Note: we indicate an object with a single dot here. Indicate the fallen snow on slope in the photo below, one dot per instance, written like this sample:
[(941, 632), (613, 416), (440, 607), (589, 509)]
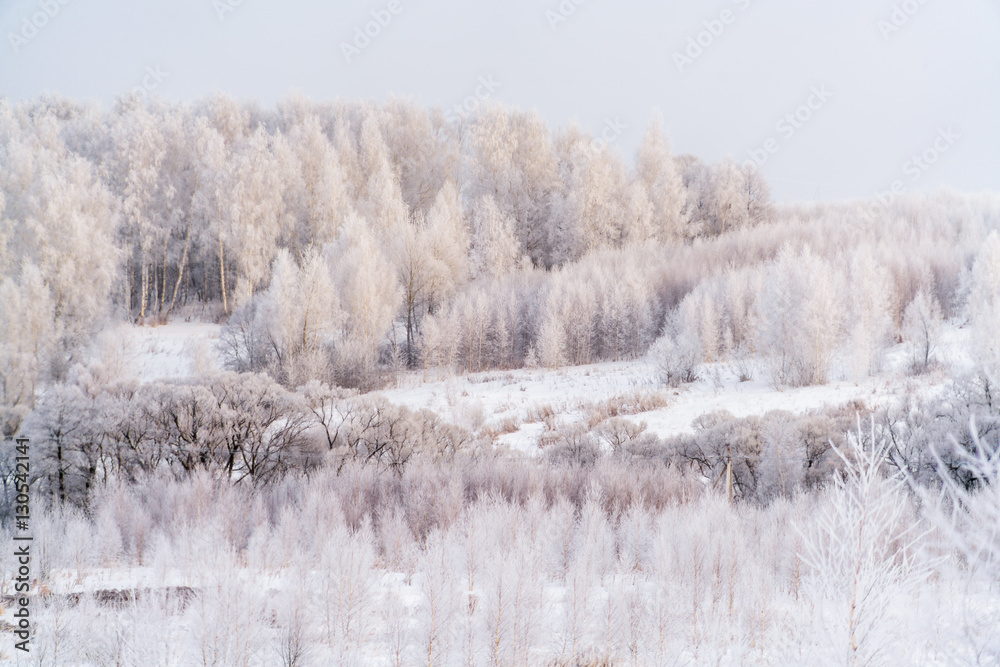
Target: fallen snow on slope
[(496, 398), (515, 403), (492, 399), (150, 353)]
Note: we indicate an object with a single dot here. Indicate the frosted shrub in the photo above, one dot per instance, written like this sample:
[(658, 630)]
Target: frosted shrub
[(967, 514), (676, 358), (862, 549), (922, 329)]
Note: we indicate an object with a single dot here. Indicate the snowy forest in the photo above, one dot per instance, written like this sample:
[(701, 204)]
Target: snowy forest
[(351, 383)]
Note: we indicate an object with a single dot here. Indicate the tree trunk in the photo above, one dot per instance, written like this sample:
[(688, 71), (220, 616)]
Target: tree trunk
[(410, 359), (144, 297), (62, 474), (180, 270), (222, 275), (163, 278)]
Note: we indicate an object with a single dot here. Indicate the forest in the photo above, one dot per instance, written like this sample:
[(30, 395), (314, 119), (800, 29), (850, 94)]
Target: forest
[(297, 499)]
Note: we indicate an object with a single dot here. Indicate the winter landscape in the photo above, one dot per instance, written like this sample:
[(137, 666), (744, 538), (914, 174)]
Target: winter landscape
[(369, 379)]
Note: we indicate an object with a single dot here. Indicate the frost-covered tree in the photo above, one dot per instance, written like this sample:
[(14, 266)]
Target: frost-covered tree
[(676, 354), (63, 425), (255, 216), (755, 196), (697, 179), (28, 343), (727, 204), (799, 318), (298, 318), (658, 172), (431, 257), (494, 249), (922, 329), (57, 243), (984, 304), (60, 217), (551, 343), (626, 313), (422, 150), (871, 323), (139, 149), (966, 514), (370, 295), (344, 590), (207, 209), (319, 202), (381, 198), (862, 551), (591, 209), (448, 236), (509, 157)]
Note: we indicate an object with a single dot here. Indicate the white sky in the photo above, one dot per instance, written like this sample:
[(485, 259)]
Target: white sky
[(608, 60)]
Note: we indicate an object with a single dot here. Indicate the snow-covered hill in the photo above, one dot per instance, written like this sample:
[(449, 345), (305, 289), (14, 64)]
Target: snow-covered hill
[(513, 404)]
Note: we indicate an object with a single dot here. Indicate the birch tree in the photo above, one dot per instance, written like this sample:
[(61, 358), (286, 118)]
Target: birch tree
[(139, 149), (984, 305), (657, 170), (509, 157), (369, 294)]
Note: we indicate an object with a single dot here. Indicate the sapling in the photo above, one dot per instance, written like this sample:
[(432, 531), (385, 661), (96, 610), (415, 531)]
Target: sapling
[(862, 550)]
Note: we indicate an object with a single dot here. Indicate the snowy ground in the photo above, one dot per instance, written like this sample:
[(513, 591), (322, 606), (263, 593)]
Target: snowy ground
[(514, 404), (150, 353), (501, 399)]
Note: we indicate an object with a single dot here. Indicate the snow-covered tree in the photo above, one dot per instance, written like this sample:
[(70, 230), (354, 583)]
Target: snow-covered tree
[(139, 149), (658, 172), (320, 202), (862, 551), (57, 243), (755, 196), (381, 201), (254, 212), (727, 203), (422, 150), (922, 329), (800, 316), (298, 318), (370, 295), (494, 248), (871, 323), (591, 208), (509, 157), (431, 256), (984, 304), (28, 343)]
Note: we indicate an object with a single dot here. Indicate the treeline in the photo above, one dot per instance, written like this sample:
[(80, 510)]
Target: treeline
[(792, 299), (149, 207), (343, 241)]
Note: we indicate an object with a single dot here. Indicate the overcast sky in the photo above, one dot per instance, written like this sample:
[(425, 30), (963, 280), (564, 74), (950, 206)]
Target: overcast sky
[(887, 79)]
